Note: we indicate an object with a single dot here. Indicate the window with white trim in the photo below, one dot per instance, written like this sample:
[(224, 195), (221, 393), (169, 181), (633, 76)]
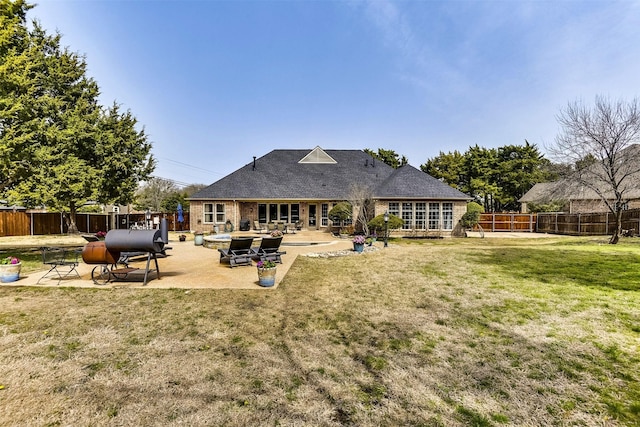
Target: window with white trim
[(394, 209), (407, 216), (324, 214), (434, 216), (214, 212), (447, 216), (421, 216)]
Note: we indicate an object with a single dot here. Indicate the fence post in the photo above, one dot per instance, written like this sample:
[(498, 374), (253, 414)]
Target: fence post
[(579, 228)]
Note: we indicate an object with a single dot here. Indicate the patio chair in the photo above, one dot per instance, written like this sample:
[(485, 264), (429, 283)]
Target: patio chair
[(269, 250), (239, 252), (61, 262), (260, 228)]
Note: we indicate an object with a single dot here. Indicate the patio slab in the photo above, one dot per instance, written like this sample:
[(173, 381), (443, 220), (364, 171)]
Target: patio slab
[(188, 266)]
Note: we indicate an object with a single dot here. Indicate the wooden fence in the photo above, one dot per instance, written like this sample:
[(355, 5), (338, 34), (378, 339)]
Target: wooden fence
[(508, 222), (588, 224), (39, 223)]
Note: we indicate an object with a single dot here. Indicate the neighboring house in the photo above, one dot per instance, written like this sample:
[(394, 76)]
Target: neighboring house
[(301, 186), (577, 198)]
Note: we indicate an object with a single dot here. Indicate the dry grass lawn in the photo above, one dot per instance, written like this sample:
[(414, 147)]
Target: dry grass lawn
[(457, 332)]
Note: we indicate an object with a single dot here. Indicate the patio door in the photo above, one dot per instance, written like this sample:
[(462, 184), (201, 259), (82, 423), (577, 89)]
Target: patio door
[(312, 216)]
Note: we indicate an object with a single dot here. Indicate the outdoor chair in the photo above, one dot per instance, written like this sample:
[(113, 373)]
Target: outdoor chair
[(61, 262), (239, 252), (260, 228), (269, 250)]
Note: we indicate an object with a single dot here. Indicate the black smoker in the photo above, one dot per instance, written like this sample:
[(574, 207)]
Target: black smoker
[(132, 243)]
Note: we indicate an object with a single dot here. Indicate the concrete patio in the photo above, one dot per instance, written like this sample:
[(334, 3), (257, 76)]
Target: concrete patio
[(191, 267)]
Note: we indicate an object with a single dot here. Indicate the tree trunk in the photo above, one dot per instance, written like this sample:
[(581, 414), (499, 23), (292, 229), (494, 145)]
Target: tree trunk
[(72, 228), (617, 232)]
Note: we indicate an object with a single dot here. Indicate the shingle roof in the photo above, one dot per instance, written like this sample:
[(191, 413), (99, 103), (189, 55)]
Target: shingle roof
[(408, 182), (278, 175)]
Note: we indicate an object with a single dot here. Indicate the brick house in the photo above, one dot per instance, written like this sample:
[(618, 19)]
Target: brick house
[(301, 186)]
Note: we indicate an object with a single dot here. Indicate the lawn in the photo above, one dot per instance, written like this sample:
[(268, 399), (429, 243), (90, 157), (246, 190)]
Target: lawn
[(454, 332)]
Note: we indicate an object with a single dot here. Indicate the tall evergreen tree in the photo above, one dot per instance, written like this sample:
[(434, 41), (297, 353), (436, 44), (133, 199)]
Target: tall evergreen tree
[(59, 147), (389, 157), (497, 178)]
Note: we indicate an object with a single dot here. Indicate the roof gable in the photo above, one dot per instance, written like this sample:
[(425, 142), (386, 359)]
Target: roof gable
[(317, 155)]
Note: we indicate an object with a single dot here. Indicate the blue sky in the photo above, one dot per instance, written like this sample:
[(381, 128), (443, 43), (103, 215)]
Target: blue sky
[(215, 83)]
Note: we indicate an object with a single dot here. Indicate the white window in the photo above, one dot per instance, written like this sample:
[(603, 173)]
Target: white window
[(214, 212), (407, 216), (421, 216), (434, 216), (447, 216), (394, 209), (324, 214)]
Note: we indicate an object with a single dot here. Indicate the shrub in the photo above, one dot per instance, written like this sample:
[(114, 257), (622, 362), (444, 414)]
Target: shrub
[(377, 223)]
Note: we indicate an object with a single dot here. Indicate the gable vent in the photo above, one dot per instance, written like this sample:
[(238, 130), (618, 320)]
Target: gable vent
[(317, 155)]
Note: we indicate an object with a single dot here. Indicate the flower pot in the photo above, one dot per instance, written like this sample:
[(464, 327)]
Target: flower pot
[(358, 247), (10, 272), (182, 238), (198, 239), (267, 276)]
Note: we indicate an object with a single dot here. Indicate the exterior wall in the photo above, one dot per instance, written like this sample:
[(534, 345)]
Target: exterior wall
[(196, 217), (237, 211), (459, 209)]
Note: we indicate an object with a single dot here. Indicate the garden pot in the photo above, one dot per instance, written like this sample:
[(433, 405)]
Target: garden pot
[(358, 247), (198, 239), (10, 272), (267, 276), (182, 238)]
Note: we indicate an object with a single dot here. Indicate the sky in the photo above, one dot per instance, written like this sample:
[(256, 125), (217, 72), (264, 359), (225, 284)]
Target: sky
[(214, 83)]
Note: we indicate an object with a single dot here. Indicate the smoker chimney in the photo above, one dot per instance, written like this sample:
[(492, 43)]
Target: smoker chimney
[(254, 162)]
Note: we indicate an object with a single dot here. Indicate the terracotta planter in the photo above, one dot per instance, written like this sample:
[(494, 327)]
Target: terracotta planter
[(267, 276), (10, 272)]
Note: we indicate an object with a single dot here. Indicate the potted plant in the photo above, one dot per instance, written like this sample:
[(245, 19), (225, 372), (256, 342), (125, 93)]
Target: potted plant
[(266, 273), (182, 237), (10, 269), (276, 233), (358, 243), (101, 235)]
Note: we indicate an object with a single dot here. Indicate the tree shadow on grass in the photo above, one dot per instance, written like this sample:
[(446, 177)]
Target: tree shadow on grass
[(617, 271)]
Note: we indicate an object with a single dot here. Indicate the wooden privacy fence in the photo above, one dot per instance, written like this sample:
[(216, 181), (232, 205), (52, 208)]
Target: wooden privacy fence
[(508, 222), (588, 224), (40, 223)]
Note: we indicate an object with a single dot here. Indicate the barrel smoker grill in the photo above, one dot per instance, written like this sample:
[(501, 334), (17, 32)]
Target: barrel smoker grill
[(117, 248)]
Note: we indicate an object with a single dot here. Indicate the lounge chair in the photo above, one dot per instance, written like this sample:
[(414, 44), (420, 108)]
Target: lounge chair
[(269, 250), (239, 252)]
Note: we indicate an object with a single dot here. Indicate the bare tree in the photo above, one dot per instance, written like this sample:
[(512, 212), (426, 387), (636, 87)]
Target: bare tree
[(360, 197), (599, 143), (153, 193)]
